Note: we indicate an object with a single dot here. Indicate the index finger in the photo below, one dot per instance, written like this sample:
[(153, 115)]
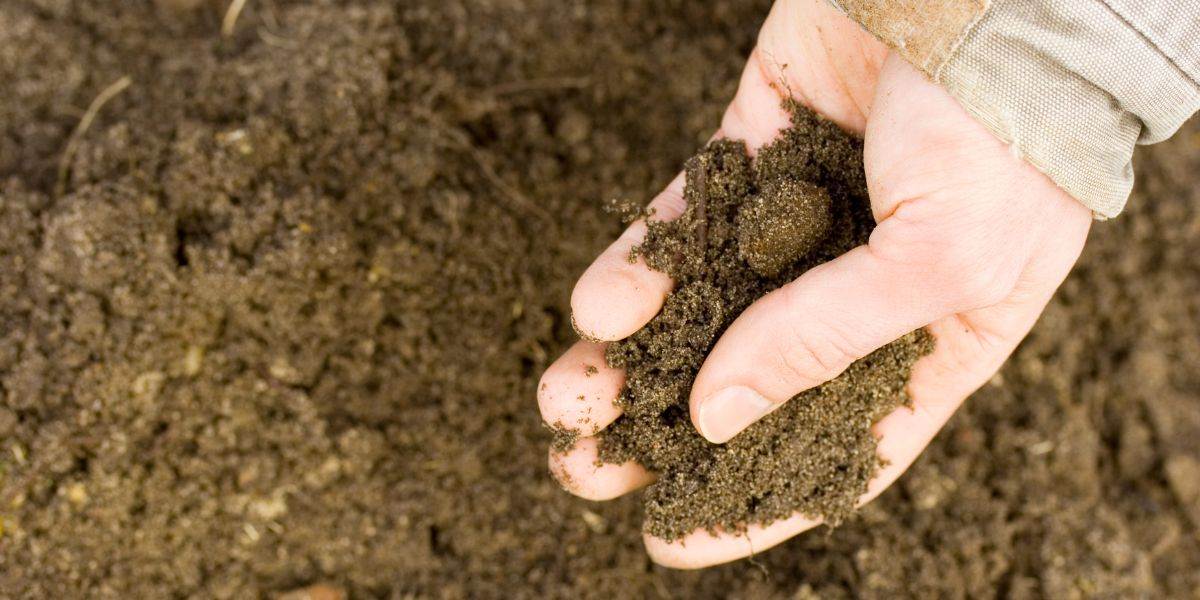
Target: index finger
[(615, 296)]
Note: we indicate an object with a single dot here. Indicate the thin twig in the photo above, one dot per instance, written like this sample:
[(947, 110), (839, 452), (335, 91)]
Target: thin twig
[(461, 141), (231, 17), (544, 83), (266, 31), (514, 195), (93, 109), (273, 39)]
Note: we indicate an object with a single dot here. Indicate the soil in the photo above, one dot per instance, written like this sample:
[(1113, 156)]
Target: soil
[(280, 331), (749, 227)]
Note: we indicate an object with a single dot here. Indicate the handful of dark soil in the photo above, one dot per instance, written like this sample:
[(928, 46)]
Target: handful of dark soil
[(751, 226)]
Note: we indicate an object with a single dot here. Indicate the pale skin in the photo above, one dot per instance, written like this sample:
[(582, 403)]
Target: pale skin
[(971, 241)]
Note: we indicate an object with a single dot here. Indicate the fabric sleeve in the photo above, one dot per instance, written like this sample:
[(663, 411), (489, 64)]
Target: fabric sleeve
[(1072, 85)]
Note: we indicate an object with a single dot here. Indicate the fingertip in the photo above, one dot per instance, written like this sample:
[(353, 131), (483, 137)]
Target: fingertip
[(615, 297), (726, 413), (740, 382), (700, 549), (806, 333), (673, 555), (579, 390), (580, 472), (748, 354)]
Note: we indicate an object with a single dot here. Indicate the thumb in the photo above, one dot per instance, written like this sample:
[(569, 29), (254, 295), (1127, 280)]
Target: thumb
[(808, 332), (953, 236)]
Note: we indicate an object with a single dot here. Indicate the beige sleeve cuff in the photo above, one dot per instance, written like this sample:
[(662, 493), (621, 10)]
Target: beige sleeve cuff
[(1073, 85)]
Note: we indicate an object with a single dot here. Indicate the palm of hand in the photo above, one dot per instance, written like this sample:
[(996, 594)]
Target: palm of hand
[(971, 241)]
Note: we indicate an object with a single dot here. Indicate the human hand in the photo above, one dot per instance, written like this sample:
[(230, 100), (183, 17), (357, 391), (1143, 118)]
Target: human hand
[(971, 241)]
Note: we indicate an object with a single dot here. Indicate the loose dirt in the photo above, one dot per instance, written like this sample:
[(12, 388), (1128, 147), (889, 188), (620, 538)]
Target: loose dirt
[(280, 331), (749, 227)]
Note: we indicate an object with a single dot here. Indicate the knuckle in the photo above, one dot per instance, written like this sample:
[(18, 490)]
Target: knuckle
[(810, 361), (813, 353)]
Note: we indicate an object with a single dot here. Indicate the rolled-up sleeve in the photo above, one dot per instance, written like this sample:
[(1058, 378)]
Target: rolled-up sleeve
[(1072, 85)]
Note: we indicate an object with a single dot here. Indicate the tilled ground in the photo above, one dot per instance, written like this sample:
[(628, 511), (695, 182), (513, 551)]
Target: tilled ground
[(278, 317)]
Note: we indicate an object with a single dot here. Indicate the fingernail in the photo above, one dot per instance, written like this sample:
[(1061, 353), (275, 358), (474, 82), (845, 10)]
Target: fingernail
[(727, 412)]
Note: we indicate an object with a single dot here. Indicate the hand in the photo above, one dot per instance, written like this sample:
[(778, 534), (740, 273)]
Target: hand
[(971, 241)]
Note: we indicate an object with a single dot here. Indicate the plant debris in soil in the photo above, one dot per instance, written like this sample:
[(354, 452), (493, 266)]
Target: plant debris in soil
[(749, 227)]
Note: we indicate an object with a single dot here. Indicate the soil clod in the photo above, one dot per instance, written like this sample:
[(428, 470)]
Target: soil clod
[(785, 221)]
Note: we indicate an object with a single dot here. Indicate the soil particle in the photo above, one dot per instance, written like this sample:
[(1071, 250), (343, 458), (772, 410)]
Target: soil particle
[(564, 437)]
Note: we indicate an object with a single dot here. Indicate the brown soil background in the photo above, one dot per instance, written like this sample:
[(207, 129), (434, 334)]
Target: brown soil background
[(286, 323)]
